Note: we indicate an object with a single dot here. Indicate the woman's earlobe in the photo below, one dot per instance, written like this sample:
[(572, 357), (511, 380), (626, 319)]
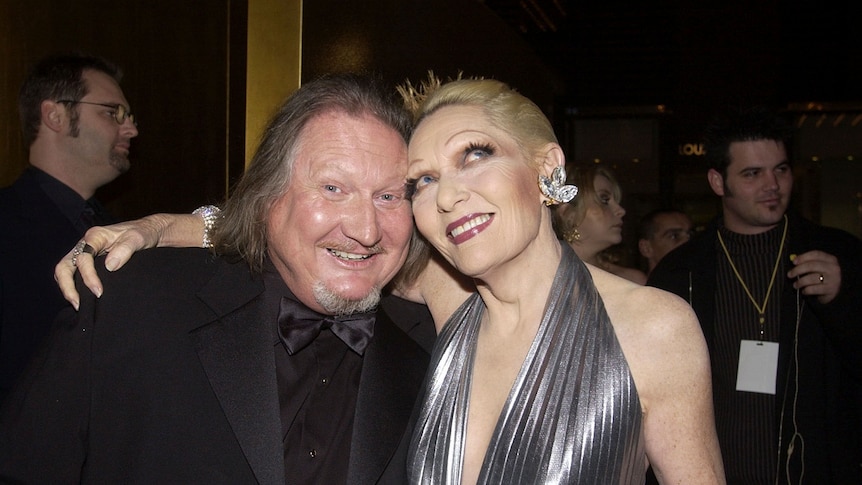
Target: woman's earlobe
[(555, 188)]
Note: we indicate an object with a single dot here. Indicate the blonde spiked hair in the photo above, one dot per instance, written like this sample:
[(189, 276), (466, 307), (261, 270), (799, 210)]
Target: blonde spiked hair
[(505, 108), (415, 96)]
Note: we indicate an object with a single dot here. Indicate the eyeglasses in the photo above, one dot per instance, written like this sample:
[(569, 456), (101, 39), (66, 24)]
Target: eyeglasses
[(120, 111)]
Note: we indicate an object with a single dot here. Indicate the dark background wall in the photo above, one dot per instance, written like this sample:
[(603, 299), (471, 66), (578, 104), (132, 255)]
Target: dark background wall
[(404, 39), (174, 56)]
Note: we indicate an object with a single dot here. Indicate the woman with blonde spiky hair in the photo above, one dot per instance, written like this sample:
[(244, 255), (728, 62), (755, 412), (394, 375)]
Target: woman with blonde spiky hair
[(552, 372)]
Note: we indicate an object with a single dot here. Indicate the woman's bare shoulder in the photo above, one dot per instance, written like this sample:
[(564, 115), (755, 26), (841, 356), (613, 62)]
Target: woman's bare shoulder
[(656, 329), (632, 306), (632, 274)]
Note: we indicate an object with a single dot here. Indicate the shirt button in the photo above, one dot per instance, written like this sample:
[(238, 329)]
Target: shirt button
[(324, 381), (312, 453)]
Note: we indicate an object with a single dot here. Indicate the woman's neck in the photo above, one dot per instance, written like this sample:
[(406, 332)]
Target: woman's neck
[(587, 254), (515, 293)]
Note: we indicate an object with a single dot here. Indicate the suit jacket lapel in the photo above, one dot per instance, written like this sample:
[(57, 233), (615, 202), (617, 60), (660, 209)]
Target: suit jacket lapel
[(393, 370), (413, 319), (237, 354)]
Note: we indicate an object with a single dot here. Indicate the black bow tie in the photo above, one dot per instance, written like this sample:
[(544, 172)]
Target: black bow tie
[(298, 326)]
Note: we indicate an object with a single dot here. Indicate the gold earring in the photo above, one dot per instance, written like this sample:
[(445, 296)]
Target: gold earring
[(572, 235)]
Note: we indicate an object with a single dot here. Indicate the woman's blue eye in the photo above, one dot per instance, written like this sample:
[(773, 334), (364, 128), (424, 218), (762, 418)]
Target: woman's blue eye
[(417, 184), (425, 180), (420, 182), (476, 151)]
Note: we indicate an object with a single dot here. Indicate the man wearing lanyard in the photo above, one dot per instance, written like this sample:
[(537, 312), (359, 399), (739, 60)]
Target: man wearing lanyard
[(778, 298)]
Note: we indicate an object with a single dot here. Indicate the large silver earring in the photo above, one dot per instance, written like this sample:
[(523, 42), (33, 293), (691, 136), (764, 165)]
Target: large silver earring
[(555, 189)]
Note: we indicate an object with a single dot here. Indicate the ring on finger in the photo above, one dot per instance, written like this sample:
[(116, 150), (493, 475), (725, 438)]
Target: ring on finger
[(82, 247)]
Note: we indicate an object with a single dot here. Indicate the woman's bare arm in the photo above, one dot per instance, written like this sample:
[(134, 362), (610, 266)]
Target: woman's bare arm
[(666, 351), (441, 287), (122, 240)]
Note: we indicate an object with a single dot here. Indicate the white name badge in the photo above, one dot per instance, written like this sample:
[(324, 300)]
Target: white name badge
[(758, 366)]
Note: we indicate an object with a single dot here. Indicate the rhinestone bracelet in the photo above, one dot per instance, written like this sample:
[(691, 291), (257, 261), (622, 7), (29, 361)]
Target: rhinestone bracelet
[(209, 213)]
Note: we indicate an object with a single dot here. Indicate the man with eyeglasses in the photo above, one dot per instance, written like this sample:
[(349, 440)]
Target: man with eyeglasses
[(78, 127)]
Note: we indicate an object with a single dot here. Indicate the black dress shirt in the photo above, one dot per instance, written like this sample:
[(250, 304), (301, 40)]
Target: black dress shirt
[(83, 214), (317, 390)]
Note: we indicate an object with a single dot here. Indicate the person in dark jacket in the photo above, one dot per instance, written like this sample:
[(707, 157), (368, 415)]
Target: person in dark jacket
[(78, 127), (778, 298)]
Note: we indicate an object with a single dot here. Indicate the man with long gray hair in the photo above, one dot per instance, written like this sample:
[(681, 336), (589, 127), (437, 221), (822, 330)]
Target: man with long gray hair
[(265, 362)]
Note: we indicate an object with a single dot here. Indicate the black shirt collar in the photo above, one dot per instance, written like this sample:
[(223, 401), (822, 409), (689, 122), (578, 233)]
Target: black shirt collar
[(70, 203)]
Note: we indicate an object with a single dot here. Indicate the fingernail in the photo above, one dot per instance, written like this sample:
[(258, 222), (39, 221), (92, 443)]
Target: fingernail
[(98, 292), (75, 305), (110, 264)]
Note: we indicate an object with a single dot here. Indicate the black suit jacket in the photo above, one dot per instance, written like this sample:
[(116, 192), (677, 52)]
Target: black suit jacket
[(34, 235), (170, 378), (819, 385)]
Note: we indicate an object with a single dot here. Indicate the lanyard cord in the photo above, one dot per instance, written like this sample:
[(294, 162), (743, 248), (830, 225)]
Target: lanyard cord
[(761, 309)]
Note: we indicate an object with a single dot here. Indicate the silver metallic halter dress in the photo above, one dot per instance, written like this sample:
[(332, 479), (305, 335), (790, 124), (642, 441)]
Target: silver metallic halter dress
[(573, 414)]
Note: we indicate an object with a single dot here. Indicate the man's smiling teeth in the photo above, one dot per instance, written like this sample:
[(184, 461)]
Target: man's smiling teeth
[(470, 225), (349, 256)]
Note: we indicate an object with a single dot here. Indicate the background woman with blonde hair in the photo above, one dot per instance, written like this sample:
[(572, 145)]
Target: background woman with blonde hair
[(593, 221)]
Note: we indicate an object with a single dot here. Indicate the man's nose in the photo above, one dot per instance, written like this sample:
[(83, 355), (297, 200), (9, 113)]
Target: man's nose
[(361, 223)]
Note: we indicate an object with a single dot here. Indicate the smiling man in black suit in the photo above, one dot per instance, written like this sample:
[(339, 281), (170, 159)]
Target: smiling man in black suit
[(267, 362)]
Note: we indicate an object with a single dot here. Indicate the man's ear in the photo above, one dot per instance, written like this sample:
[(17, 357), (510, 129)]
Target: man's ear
[(716, 182), (54, 115), (645, 248)]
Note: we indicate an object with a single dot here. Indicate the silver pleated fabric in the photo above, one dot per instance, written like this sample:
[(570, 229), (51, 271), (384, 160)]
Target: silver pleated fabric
[(572, 416)]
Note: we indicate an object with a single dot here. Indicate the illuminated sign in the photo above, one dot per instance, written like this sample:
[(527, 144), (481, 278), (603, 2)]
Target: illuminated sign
[(691, 150)]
